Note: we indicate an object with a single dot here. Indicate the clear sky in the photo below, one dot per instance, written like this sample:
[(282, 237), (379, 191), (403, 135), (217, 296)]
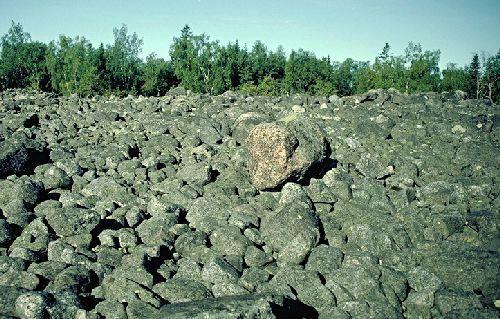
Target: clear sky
[(339, 28)]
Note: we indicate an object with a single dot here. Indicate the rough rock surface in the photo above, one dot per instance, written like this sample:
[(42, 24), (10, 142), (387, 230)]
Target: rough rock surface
[(380, 205), (279, 153)]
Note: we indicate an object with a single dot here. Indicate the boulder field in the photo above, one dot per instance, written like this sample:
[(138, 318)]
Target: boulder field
[(380, 205)]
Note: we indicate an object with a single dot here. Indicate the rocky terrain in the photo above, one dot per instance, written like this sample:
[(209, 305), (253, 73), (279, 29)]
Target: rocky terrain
[(381, 205)]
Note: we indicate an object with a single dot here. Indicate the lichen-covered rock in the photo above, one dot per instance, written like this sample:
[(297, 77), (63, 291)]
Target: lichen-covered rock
[(245, 307), (156, 230), (55, 177), (293, 231), (206, 214), (32, 305), (324, 259), (8, 299), (68, 221), (35, 238), (181, 290), (378, 205), (229, 241), (198, 173), (14, 158), (308, 286), (6, 233), (219, 271), (281, 152)]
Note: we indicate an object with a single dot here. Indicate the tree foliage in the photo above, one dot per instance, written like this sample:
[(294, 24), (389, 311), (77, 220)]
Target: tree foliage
[(71, 66), (22, 62), (74, 66), (491, 77), (157, 76), (123, 62), (454, 78)]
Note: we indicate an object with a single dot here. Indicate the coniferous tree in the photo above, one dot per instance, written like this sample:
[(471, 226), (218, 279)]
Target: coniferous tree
[(259, 62), (300, 70), (183, 55), (389, 70), (365, 78), (103, 78), (474, 70), (72, 65)]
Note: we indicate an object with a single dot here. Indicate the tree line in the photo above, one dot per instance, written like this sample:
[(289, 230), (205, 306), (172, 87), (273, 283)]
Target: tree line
[(73, 66)]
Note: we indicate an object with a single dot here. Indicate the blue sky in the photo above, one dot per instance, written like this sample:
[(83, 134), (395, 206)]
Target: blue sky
[(339, 28)]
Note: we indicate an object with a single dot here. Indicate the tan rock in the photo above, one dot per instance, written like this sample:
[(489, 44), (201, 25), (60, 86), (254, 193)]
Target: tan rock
[(281, 152)]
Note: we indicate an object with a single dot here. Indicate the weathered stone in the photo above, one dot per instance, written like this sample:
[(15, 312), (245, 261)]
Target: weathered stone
[(291, 232), (68, 221), (324, 259), (206, 214), (181, 290), (6, 233), (379, 205), (282, 152), (55, 177), (197, 174), (14, 158), (229, 241), (219, 271), (156, 230), (32, 305), (245, 307), (8, 299)]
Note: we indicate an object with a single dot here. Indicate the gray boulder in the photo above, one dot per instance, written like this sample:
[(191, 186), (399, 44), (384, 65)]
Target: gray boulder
[(31, 305), (293, 231), (178, 290), (68, 221), (244, 307), (14, 158)]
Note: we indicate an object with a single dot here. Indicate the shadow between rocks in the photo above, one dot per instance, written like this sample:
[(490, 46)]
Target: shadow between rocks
[(294, 309), (316, 171)]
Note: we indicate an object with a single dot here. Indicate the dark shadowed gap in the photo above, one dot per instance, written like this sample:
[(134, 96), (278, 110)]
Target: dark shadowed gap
[(36, 158), (134, 151), (31, 121), (103, 224), (294, 309), (153, 264)]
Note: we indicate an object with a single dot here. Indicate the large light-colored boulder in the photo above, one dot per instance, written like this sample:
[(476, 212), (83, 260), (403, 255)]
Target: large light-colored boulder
[(284, 151)]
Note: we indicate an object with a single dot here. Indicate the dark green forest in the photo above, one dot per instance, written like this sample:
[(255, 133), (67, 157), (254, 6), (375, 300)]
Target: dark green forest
[(73, 66)]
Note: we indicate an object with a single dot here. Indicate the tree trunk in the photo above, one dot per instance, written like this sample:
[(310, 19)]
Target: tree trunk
[(477, 88), (490, 88)]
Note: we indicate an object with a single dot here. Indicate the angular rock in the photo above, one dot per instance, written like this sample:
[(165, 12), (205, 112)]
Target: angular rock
[(32, 305), (198, 174), (291, 232), (219, 271), (181, 290), (14, 158), (281, 152), (244, 307), (68, 221), (229, 241), (206, 214)]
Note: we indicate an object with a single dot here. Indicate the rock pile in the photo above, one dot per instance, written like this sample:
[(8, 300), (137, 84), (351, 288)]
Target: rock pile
[(380, 205)]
